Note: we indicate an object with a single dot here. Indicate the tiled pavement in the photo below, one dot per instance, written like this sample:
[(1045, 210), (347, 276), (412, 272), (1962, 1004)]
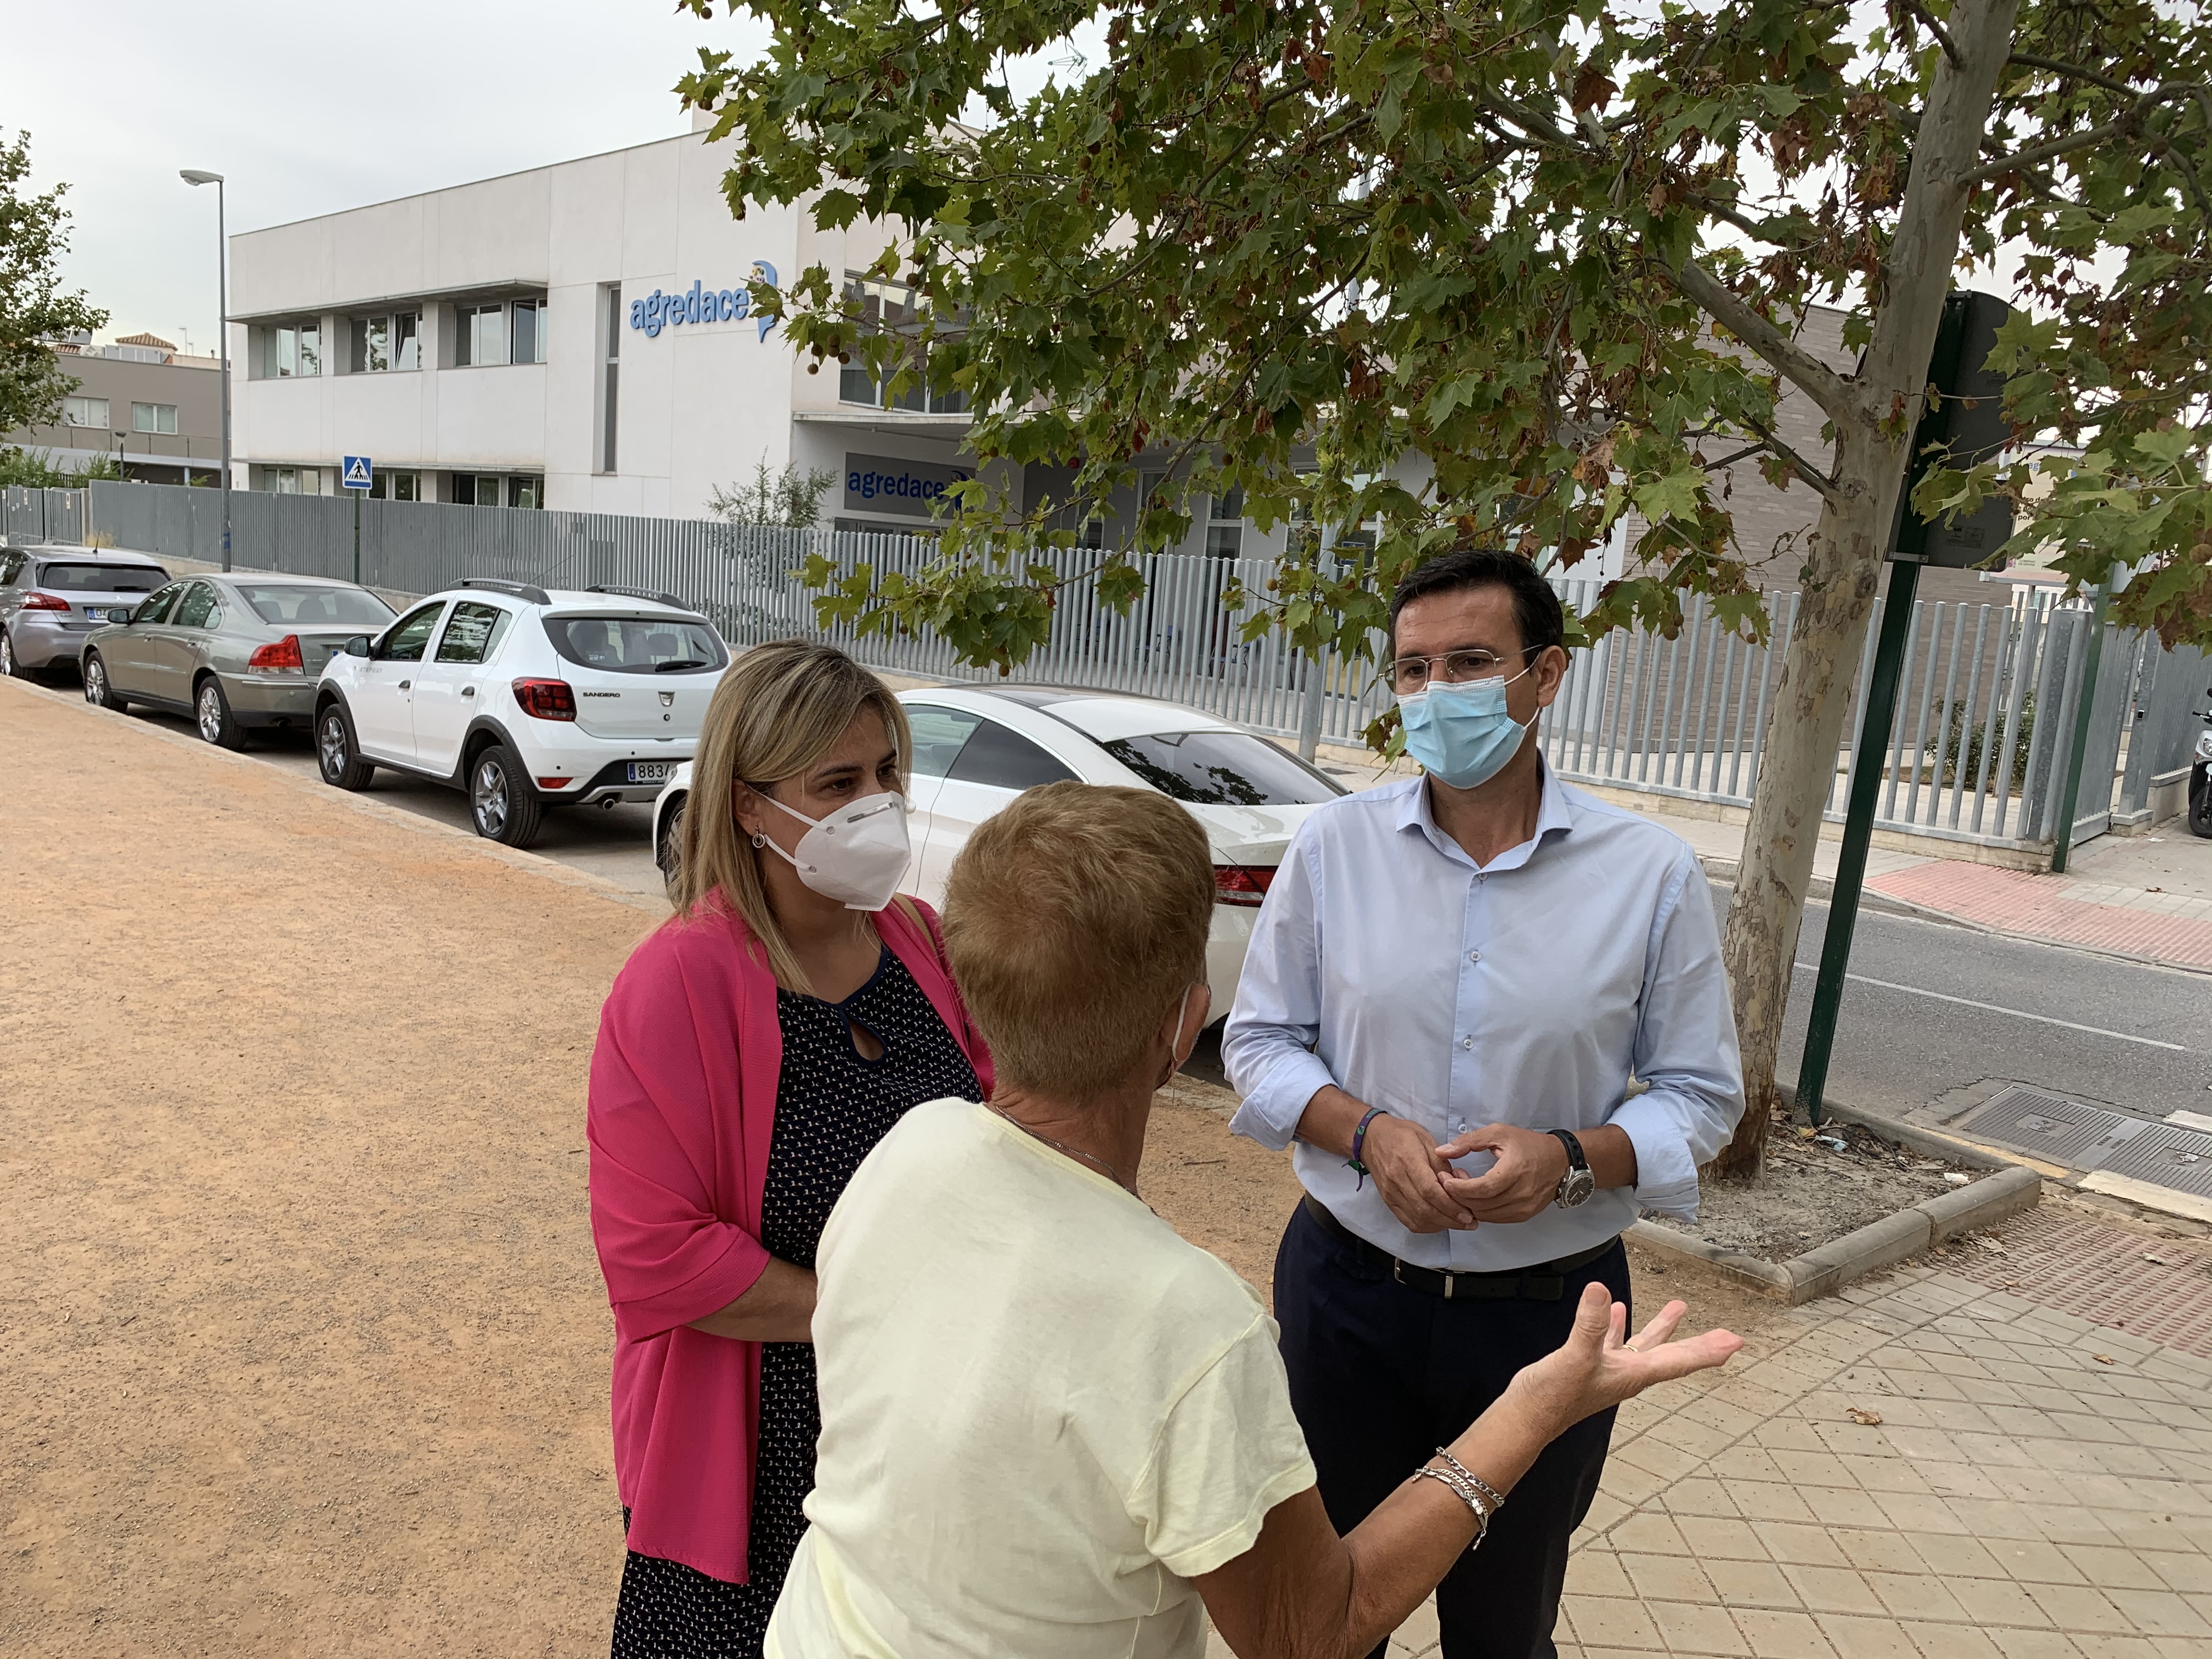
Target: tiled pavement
[(2161, 927), (2038, 1487)]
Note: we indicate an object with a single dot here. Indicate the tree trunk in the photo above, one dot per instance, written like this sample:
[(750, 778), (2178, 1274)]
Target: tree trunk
[(1805, 723)]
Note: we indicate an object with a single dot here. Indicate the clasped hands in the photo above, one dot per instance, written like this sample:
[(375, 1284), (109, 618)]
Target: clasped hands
[(1416, 1178)]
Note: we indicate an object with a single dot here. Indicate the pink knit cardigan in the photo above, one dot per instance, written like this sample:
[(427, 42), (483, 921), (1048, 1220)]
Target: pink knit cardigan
[(682, 1110)]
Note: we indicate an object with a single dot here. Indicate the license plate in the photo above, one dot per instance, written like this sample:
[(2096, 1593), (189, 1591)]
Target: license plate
[(94, 613), (652, 771)]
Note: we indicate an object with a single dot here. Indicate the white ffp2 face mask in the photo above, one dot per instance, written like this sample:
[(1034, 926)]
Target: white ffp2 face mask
[(855, 855)]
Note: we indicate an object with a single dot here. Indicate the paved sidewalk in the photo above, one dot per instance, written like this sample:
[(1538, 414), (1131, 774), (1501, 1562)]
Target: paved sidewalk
[(2035, 1487)]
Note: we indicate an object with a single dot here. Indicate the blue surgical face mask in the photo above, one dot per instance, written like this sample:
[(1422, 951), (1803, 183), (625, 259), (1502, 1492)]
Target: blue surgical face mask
[(1459, 729)]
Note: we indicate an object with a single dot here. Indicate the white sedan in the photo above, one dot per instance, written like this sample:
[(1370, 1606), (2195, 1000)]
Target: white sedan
[(975, 749)]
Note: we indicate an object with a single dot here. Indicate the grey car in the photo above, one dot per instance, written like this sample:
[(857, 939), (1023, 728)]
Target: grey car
[(237, 652), (51, 597)]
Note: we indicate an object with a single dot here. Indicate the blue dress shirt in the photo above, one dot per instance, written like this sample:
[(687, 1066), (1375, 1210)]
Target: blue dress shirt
[(1528, 991)]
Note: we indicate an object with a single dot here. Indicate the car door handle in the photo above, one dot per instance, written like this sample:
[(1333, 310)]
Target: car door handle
[(468, 690), (403, 684)]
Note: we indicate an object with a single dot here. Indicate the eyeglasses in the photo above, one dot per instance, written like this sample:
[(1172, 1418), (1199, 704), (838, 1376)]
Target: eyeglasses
[(1409, 674)]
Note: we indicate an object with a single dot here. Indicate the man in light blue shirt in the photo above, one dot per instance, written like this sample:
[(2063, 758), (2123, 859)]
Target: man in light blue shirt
[(1451, 989)]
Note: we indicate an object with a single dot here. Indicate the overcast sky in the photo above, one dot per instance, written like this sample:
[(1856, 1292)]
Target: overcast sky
[(309, 109)]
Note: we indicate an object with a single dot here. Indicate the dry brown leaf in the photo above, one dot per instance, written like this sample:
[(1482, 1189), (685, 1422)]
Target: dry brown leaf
[(1864, 1418), (2102, 1358)]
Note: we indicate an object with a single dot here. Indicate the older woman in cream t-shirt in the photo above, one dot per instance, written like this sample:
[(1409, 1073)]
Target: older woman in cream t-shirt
[(1050, 1426)]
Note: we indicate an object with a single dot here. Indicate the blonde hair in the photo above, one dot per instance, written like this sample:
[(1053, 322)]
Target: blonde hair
[(781, 707), (1072, 919)]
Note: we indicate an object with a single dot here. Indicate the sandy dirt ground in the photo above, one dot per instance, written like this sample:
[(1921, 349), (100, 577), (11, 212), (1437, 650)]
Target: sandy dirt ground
[(302, 1343)]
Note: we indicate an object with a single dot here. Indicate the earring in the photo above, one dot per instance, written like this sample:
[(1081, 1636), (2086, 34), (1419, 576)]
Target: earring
[(760, 840)]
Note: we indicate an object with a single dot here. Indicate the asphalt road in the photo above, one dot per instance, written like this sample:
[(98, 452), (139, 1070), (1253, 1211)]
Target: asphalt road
[(1912, 1035)]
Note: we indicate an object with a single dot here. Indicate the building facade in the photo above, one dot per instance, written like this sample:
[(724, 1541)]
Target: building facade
[(140, 402)]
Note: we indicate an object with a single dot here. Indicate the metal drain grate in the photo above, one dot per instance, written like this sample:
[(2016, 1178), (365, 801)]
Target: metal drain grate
[(2168, 1156), (2057, 1131)]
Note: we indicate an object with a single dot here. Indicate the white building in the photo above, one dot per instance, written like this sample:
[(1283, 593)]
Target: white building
[(575, 336)]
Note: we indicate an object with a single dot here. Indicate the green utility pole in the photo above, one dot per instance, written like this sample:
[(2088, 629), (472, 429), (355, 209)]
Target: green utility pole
[(357, 494), (1964, 421), (1858, 835), (2085, 707)]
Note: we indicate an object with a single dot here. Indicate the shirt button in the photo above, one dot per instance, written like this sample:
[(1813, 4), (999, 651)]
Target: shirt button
[(1466, 1042), (1474, 956)]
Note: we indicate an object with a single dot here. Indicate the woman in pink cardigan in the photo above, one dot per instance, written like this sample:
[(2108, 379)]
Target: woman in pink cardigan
[(752, 1052)]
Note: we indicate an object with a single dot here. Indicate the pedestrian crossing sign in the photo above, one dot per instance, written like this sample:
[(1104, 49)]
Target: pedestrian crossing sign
[(358, 472)]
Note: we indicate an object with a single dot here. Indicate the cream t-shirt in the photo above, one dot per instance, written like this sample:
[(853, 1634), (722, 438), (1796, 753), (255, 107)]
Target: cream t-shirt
[(1042, 1412)]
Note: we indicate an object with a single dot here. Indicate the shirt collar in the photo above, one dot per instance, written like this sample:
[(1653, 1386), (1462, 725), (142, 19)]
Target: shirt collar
[(1554, 811)]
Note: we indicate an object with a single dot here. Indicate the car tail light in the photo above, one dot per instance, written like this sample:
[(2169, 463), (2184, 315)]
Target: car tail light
[(545, 699), (552, 783), (37, 601), (282, 657), (1242, 883)]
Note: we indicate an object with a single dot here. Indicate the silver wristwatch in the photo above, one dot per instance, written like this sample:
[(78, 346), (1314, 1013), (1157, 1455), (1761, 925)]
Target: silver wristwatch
[(1578, 1183)]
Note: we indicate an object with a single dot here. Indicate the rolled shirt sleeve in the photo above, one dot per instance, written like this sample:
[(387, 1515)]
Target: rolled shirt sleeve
[(1267, 1041), (1685, 1051)]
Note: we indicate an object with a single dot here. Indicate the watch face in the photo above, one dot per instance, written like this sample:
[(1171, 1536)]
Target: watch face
[(1577, 1187)]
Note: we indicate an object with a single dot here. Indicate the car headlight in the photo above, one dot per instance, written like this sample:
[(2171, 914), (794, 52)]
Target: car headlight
[(2205, 747)]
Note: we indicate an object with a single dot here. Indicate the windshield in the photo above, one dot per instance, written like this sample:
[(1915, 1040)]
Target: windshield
[(290, 606), (1222, 769), (637, 644), (101, 578)]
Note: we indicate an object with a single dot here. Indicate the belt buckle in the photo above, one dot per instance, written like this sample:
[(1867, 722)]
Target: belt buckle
[(1397, 1270), (1450, 1277)]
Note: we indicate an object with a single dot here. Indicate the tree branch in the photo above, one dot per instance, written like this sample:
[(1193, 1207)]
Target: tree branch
[(2119, 127), (1798, 366), (2073, 72), (1943, 38)]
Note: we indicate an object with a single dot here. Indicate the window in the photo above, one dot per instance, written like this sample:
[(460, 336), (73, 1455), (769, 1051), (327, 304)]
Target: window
[(1004, 759), (291, 606), (480, 336), (1224, 531), (939, 735), (637, 644), (153, 417), (609, 374), (378, 345), (1222, 769), (405, 642), (199, 609), (11, 566), (529, 331), (396, 487), (293, 480), (526, 490), (156, 609), (100, 578), (287, 351), (891, 308), (474, 632), (84, 411)]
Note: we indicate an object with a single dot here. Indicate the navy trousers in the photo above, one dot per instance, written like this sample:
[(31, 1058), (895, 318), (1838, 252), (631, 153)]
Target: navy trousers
[(1382, 1374)]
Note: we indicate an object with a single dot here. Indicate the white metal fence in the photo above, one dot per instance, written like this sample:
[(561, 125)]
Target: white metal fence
[(1987, 711)]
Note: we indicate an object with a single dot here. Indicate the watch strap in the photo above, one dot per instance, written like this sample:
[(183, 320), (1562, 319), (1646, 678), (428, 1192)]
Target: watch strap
[(1576, 1160)]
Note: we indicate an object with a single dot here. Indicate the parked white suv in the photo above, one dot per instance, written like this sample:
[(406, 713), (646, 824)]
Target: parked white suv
[(524, 698)]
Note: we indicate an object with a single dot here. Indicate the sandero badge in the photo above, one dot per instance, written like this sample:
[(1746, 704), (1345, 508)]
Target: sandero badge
[(701, 304)]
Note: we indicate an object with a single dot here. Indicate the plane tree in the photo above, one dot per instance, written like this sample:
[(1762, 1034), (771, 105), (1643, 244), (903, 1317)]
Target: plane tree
[(1558, 250)]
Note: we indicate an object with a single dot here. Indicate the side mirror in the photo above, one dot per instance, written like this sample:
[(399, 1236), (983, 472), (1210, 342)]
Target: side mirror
[(124, 617), (357, 646)]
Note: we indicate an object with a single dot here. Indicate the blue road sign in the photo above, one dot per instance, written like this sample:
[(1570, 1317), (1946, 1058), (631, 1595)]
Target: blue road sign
[(358, 472)]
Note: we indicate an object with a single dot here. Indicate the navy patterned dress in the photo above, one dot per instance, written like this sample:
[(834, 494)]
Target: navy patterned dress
[(832, 1106)]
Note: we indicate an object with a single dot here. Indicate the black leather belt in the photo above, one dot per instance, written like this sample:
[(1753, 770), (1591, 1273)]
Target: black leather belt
[(1546, 1281)]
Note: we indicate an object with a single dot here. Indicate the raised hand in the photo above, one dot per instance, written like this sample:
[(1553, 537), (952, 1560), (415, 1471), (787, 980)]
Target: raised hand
[(1598, 1365)]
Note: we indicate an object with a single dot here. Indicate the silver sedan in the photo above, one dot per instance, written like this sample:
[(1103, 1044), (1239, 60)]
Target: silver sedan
[(237, 652)]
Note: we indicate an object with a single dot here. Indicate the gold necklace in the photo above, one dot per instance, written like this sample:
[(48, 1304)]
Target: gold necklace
[(1075, 1152)]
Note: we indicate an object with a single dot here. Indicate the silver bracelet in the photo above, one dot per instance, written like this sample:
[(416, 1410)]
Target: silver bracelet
[(1477, 1505), (1496, 1497)]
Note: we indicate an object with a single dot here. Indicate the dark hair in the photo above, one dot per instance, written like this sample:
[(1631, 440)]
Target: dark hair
[(1536, 609)]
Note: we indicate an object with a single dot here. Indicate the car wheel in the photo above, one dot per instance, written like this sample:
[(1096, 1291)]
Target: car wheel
[(503, 805), (211, 713), (337, 755), (99, 690), (669, 852), (9, 668)]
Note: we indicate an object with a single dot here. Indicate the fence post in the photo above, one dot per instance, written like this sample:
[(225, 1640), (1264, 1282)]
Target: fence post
[(2085, 710)]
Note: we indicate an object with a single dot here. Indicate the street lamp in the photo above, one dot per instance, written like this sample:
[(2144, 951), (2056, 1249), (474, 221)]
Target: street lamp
[(194, 176)]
